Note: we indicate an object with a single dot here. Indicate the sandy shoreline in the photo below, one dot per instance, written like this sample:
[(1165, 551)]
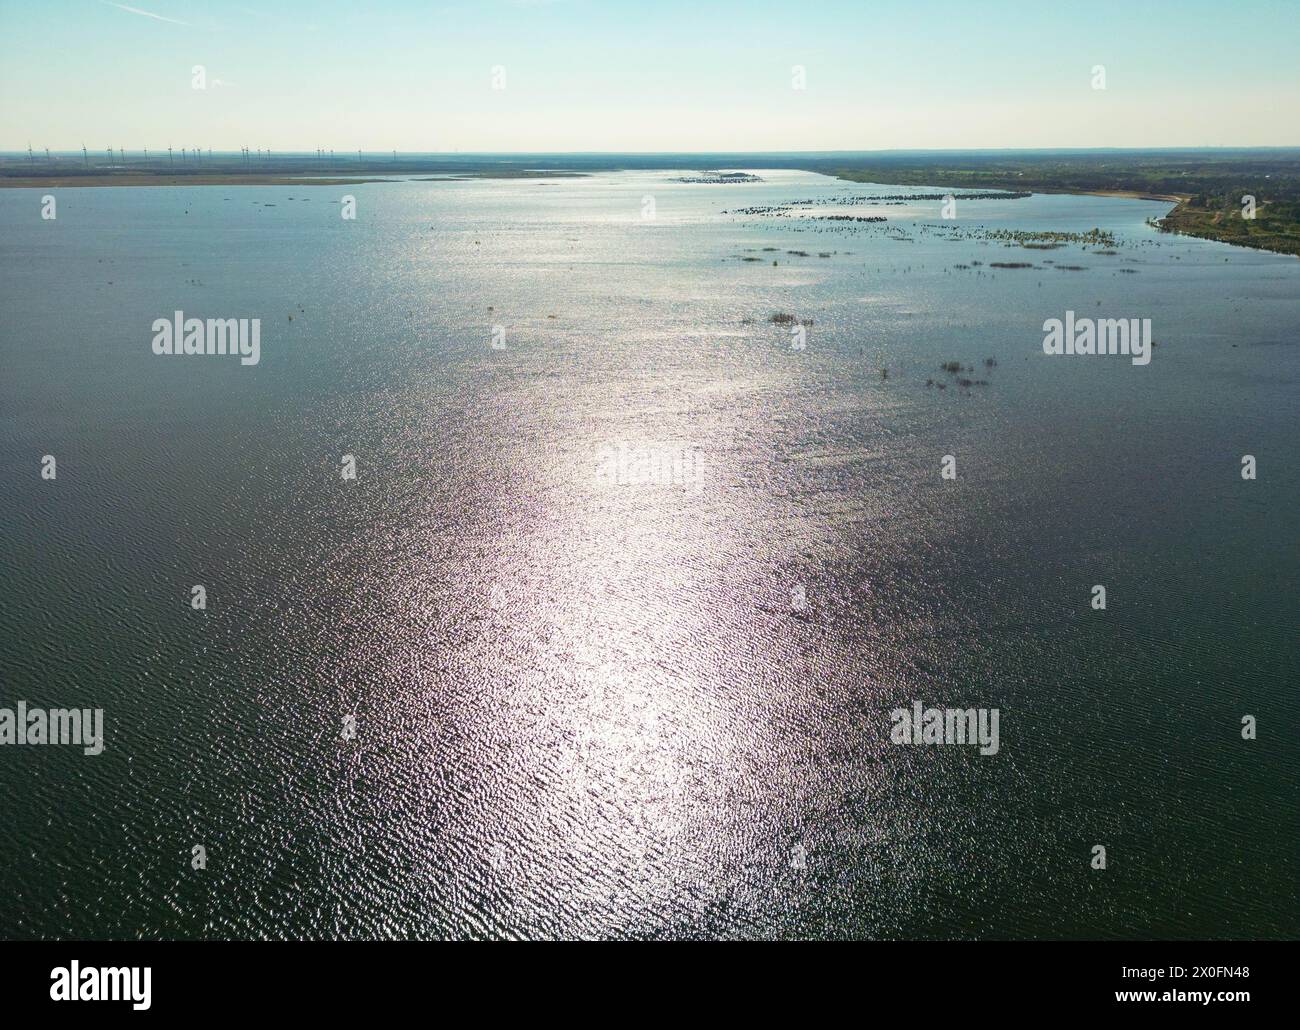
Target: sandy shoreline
[(1170, 198)]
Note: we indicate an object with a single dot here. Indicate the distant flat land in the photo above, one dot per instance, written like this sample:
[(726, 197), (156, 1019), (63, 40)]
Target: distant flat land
[(1206, 187), (134, 179), (233, 170), (137, 179)]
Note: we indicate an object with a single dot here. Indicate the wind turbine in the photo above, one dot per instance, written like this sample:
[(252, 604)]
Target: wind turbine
[(170, 160), (85, 157)]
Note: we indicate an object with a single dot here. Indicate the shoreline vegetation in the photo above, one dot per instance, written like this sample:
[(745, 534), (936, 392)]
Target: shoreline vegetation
[(1207, 188)]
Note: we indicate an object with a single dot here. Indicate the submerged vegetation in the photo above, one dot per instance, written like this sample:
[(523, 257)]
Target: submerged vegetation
[(1030, 239), (955, 368), (1207, 186)]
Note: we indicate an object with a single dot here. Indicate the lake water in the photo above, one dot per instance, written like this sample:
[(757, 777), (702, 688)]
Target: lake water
[(648, 699)]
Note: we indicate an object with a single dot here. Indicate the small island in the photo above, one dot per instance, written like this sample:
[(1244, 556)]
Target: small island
[(719, 178)]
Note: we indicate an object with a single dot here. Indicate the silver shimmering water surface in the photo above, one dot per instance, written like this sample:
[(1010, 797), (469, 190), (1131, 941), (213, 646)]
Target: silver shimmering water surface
[(587, 704)]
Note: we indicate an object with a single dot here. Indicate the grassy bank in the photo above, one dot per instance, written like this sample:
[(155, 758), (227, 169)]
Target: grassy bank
[(1275, 227)]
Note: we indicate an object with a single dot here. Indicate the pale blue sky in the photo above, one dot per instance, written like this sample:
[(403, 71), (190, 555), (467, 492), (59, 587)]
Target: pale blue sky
[(660, 75)]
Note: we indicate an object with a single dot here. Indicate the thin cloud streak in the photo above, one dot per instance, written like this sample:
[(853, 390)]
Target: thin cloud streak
[(145, 14)]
